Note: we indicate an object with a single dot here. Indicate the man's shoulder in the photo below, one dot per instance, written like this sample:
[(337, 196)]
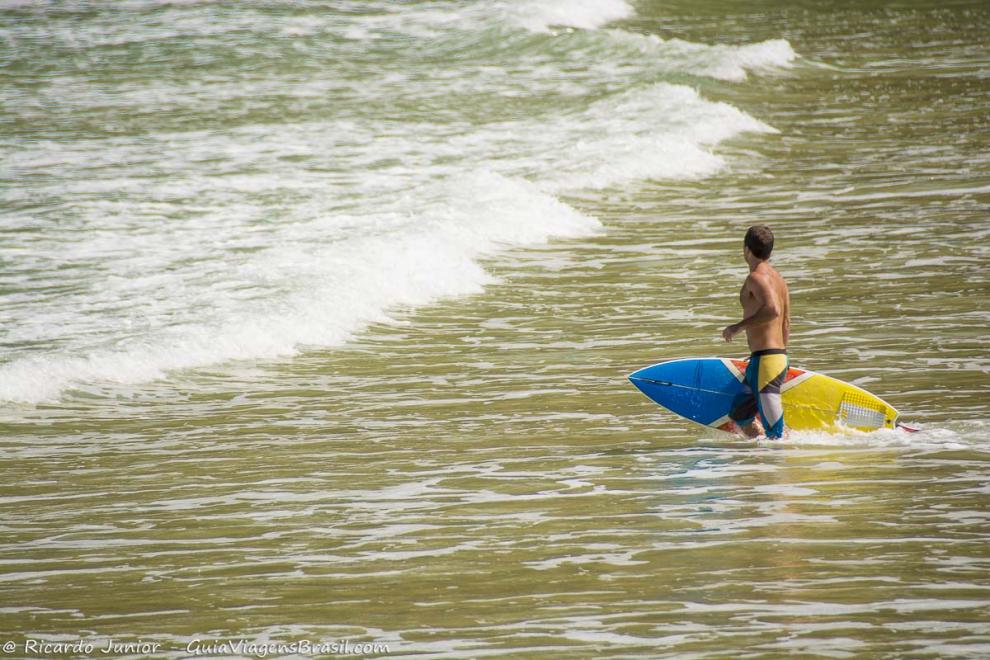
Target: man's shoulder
[(759, 276), (767, 274)]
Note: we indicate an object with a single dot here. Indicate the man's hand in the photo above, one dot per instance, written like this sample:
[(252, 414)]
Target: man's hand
[(730, 332)]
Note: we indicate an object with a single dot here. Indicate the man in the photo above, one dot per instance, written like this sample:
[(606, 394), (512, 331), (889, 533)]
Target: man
[(767, 322)]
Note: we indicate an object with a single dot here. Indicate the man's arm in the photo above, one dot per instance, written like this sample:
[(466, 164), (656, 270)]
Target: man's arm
[(768, 310)]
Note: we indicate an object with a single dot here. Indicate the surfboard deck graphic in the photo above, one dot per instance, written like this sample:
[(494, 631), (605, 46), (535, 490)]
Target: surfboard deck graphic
[(704, 390)]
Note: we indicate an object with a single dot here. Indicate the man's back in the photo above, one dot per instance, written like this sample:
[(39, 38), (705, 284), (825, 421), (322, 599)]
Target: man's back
[(765, 287)]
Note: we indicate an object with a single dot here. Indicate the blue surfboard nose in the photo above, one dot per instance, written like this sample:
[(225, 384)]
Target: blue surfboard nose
[(702, 390)]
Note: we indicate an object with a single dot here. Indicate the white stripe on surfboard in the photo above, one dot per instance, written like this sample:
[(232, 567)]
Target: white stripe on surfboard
[(733, 369), (797, 380), (718, 422)]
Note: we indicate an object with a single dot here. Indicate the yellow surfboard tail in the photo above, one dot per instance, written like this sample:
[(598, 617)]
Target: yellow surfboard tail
[(813, 401)]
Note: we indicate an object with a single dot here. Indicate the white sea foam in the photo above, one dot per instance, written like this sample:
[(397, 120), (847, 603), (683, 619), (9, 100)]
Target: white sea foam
[(928, 439), (430, 20), (543, 15), (957, 436), (668, 139), (331, 289), (720, 61)]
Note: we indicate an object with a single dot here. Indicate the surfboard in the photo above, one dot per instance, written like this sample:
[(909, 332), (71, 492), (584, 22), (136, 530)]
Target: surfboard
[(704, 390)]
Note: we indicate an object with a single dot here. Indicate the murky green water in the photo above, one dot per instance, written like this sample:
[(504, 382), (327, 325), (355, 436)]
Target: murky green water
[(478, 478)]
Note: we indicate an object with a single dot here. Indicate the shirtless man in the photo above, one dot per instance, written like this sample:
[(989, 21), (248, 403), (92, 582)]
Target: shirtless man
[(767, 322)]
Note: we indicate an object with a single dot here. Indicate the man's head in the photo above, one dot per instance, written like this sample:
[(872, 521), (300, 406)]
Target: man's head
[(759, 241)]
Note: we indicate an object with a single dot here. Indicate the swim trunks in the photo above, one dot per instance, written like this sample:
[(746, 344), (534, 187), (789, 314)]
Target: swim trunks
[(764, 376)]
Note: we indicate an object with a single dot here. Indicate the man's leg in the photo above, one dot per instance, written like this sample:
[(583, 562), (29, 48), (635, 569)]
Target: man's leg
[(771, 372), (744, 412)]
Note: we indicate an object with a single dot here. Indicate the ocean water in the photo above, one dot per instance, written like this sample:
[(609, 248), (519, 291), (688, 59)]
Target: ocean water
[(315, 320)]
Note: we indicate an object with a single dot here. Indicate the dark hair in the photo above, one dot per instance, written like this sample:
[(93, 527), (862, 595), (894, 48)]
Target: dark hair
[(759, 240)]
